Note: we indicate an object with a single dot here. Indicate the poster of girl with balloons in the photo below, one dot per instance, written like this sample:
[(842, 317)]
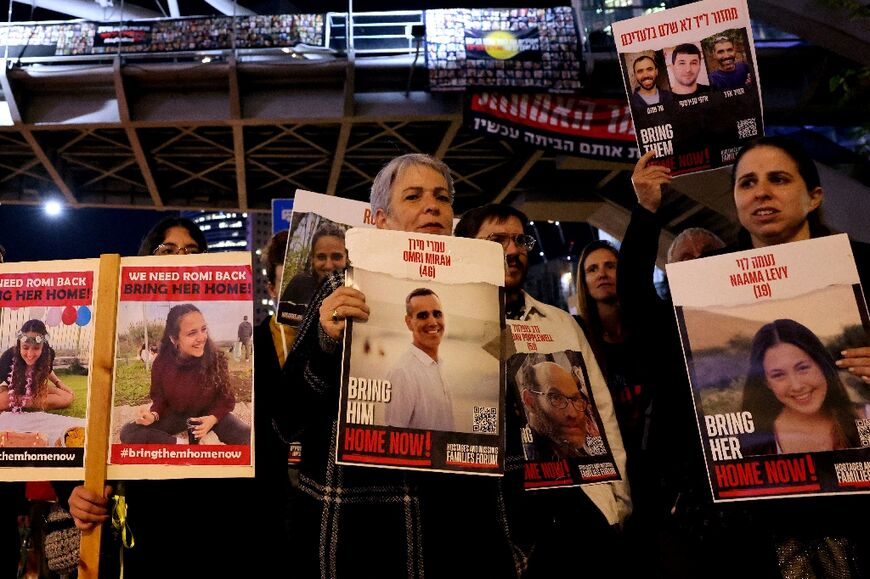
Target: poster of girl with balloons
[(46, 340)]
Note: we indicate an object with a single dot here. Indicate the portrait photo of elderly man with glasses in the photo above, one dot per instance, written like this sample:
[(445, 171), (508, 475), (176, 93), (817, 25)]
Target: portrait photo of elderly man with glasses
[(557, 408)]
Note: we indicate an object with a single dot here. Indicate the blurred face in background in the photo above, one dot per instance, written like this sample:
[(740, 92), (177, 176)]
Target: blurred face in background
[(599, 268), (329, 254), (516, 257), (177, 240)]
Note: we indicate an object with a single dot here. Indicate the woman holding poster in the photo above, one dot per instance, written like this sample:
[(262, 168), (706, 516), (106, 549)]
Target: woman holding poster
[(778, 197), (27, 373), (794, 393), (189, 386), (415, 519), (222, 526)]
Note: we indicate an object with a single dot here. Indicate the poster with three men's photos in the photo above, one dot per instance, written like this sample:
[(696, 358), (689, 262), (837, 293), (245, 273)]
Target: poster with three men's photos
[(47, 341), (422, 379), (692, 82), (762, 332), (182, 401)]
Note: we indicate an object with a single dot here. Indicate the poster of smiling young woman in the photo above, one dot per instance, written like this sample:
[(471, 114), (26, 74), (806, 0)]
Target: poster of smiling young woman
[(183, 397), (422, 382), (46, 342), (762, 331), (692, 83)]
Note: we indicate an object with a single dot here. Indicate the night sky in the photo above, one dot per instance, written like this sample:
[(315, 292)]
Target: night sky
[(28, 234)]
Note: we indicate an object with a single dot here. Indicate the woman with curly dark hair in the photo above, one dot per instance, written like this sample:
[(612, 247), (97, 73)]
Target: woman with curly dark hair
[(27, 373), (189, 386)]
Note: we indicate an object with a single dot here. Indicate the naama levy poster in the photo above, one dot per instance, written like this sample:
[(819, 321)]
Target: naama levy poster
[(761, 331)]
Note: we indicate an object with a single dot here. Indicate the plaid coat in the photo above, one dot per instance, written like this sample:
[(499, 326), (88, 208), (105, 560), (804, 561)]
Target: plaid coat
[(354, 521)]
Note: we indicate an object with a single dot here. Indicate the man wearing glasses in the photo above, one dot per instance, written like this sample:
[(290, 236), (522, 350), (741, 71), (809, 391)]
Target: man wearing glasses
[(504, 225), (564, 517), (556, 409)]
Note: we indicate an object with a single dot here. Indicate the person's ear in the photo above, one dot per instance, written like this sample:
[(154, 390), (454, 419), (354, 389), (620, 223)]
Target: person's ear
[(408, 322), (816, 198), (380, 219), (528, 400)]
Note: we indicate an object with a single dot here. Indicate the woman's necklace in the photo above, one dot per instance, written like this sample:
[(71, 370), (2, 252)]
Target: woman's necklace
[(19, 403)]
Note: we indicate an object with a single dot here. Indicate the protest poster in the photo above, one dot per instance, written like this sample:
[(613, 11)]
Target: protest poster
[(182, 402), (761, 331), (315, 246), (422, 379), (692, 82), (564, 441), (46, 336)]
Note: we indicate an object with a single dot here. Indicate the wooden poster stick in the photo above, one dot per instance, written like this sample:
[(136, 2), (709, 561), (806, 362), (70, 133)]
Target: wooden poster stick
[(100, 402)]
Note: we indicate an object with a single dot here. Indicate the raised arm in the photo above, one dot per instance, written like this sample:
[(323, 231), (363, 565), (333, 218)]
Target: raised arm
[(637, 254)]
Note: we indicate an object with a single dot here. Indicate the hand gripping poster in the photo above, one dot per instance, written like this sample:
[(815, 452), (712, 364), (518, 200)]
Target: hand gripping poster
[(315, 247), (762, 331), (692, 82), (182, 403), (564, 441), (422, 378), (46, 340)]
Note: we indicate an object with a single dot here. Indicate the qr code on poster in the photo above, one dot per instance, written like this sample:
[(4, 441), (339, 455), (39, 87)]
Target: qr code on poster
[(595, 446), (746, 128), (863, 425), (485, 420)]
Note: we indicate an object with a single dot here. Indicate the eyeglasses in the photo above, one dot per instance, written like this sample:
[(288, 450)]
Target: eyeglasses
[(522, 241), (560, 401), (332, 256), (172, 249), (33, 340)]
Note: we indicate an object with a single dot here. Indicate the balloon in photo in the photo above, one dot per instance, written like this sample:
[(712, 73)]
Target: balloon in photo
[(84, 316), (69, 315), (52, 317)]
